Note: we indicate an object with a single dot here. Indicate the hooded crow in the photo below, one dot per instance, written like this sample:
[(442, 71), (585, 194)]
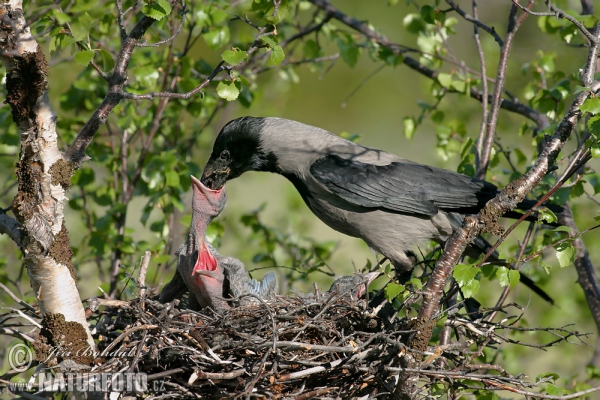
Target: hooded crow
[(393, 204)]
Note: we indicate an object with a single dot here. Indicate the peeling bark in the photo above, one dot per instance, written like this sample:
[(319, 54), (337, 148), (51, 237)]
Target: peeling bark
[(43, 176)]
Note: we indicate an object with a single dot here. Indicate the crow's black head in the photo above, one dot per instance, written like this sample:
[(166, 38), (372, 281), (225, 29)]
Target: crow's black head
[(237, 150)]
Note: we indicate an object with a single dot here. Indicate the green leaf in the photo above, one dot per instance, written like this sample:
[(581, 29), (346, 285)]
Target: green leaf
[(81, 27), (562, 229), (414, 23), (84, 57), (554, 390), (393, 290), (233, 57), (552, 375), (107, 60), (409, 127), (348, 50), (217, 37), (546, 215), (156, 9), (595, 150), (459, 86), (502, 275), (390, 57), (579, 89), (166, 5), (311, 49), (277, 54), (565, 252), (577, 190), (465, 277), (594, 125), (60, 41), (228, 90), (591, 105), (428, 14), (445, 80), (61, 17), (172, 178), (514, 277)]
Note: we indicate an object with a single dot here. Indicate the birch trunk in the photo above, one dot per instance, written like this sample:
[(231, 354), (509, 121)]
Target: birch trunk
[(43, 175)]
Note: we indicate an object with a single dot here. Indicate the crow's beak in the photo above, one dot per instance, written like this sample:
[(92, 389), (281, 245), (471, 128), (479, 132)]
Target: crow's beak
[(215, 173)]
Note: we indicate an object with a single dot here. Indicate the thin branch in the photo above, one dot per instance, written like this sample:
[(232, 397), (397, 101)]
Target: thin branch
[(484, 102), (16, 299), (11, 227), (184, 11), (477, 24), (558, 13), (513, 106), (170, 95), (492, 120)]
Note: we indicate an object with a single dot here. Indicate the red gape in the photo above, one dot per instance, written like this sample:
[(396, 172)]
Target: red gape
[(206, 261)]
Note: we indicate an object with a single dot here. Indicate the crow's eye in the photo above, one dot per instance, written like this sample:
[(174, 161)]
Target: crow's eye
[(225, 156)]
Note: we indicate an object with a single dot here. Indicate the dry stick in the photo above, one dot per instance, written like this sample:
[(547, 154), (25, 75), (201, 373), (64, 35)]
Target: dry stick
[(316, 393), (25, 317), (223, 375), (143, 269), (309, 371), (125, 334), (16, 299), (17, 334)]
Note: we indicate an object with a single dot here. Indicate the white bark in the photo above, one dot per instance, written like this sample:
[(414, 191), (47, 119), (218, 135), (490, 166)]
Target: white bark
[(52, 281)]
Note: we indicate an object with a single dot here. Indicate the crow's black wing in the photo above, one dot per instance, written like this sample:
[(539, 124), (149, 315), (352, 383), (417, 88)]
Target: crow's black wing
[(402, 186)]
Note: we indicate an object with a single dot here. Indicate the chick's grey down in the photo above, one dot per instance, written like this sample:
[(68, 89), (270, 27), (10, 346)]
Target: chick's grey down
[(393, 204)]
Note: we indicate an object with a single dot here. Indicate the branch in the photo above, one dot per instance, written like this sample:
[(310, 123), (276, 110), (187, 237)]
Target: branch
[(476, 22), (11, 227), (171, 95), (490, 129), (513, 106), (116, 82), (487, 218), (585, 270), (558, 13)]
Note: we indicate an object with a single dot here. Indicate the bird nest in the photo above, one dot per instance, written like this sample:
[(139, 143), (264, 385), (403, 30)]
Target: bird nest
[(326, 347), (290, 347), (315, 346)]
